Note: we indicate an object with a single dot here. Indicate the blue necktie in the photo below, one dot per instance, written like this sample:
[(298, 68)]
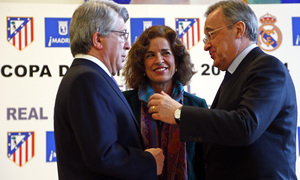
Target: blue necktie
[(227, 75)]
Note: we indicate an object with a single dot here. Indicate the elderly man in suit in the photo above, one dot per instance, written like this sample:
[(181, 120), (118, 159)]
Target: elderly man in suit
[(250, 130), (96, 133)]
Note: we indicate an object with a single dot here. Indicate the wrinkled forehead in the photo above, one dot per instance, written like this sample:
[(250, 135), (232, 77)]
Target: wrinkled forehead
[(214, 20)]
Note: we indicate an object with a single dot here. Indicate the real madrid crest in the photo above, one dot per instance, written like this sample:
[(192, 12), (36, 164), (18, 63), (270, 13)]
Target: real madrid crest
[(269, 37)]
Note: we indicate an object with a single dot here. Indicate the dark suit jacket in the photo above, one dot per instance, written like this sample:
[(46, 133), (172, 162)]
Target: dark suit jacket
[(250, 130), (195, 164), (96, 134)]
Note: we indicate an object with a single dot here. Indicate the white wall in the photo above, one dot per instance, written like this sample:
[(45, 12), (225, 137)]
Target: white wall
[(27, 101)]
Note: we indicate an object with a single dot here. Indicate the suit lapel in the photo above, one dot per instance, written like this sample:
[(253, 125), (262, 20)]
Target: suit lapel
[(215, 101), (227, 88), (112, 83)]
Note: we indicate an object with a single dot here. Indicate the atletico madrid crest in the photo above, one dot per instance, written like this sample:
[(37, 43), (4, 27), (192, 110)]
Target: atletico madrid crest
[(20, 147), (20, 31), (188, 30)]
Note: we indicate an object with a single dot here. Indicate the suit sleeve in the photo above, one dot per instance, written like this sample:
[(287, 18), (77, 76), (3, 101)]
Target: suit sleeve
[(255, 101), (100, 123)]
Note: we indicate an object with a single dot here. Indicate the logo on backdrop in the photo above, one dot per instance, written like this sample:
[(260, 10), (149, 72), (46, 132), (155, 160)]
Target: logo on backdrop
[(269, 35), (50, 147), (296, 31), (188, 30), (138, 25), (20, 147), (57, 32), (23, 113), (20, 31)]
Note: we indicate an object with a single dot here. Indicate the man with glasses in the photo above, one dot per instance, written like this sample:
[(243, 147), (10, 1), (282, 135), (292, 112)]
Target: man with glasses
[(250, 130), (96, 133)]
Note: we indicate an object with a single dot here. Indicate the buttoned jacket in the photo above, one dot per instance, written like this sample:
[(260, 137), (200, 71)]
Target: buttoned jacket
[(96, 133), (250, 130)]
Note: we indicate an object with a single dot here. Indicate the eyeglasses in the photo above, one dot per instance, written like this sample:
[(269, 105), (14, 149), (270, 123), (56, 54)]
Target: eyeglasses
[(124, 33), (210, 38)]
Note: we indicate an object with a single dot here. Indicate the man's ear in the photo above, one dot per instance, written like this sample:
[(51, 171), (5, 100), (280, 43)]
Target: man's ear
[(97, 40), (240, 29)]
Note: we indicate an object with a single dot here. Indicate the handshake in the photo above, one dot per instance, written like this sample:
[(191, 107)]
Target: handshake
[(159, 157)]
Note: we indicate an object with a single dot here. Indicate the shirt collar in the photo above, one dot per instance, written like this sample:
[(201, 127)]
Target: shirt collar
[(95, 60), (237, 61)]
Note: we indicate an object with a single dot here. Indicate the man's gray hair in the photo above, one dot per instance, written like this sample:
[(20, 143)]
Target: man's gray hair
[(93, 16), (235, 11)]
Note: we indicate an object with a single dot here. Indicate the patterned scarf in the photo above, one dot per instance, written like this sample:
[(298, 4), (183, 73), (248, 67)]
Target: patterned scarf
[(157, 134)]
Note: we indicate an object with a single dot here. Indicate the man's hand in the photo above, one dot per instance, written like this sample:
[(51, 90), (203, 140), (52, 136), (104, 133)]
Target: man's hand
[(162, 107), (159, 157)]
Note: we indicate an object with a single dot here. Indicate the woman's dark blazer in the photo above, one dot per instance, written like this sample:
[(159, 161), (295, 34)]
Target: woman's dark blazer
[(194, 150)]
